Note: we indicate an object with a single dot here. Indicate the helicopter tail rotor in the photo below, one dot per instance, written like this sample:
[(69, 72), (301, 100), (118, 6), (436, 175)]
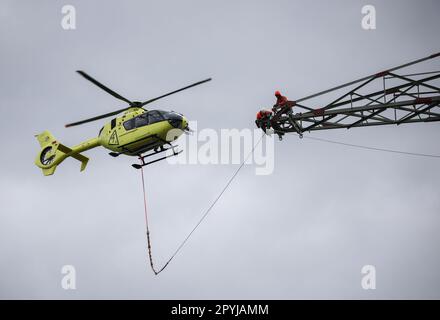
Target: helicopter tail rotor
[(53, 152)]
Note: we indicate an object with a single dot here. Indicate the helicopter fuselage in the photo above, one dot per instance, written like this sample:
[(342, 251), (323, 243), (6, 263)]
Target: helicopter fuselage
[(138, 131)]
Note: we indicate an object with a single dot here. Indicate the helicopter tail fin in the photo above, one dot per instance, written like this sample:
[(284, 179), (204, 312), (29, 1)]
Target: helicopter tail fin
[(52, 153)]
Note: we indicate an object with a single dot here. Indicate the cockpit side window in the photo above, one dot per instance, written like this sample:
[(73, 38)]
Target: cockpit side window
[(129, 124), (162, 113), (141, 120), (154, 116)]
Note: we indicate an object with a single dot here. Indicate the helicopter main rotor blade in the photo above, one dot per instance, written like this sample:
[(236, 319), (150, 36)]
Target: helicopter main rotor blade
[(175, 91), (131, 103), (95, 118), (103, 87)]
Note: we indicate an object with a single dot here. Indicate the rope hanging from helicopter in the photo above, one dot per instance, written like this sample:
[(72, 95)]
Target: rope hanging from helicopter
[(207, 211)]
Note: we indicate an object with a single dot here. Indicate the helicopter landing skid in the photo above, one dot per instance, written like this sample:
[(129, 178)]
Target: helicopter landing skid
[(115, 154), (142, 158)]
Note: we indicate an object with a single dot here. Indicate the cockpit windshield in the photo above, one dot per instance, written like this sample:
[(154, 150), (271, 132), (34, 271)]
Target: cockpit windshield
[(170, 115), (146, 118)]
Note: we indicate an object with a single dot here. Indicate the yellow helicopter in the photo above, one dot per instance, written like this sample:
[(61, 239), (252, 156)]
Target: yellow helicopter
[(137, 132)]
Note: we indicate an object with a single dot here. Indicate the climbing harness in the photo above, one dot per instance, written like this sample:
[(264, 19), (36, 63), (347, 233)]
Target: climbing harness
[(150, 254)]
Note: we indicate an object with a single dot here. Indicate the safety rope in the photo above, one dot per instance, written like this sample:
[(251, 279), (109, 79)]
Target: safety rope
[(147, 227), (150, 254)]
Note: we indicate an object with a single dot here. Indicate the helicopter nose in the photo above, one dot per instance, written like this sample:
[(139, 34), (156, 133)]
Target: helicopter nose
[(175, 120)]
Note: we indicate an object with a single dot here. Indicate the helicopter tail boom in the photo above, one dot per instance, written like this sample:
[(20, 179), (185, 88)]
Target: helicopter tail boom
[(53, 152)]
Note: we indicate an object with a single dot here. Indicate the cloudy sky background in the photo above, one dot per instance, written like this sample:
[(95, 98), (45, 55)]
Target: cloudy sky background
[(303, 232)]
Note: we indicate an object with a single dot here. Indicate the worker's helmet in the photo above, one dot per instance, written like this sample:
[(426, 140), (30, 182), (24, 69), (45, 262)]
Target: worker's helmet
[(277, 93), (259, 115)]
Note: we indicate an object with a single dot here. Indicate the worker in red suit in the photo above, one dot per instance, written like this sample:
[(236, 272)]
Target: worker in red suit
[(263, 119), (282, 103)]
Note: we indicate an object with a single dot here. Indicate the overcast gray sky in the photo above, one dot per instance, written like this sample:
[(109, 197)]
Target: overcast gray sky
[(303, 232)]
